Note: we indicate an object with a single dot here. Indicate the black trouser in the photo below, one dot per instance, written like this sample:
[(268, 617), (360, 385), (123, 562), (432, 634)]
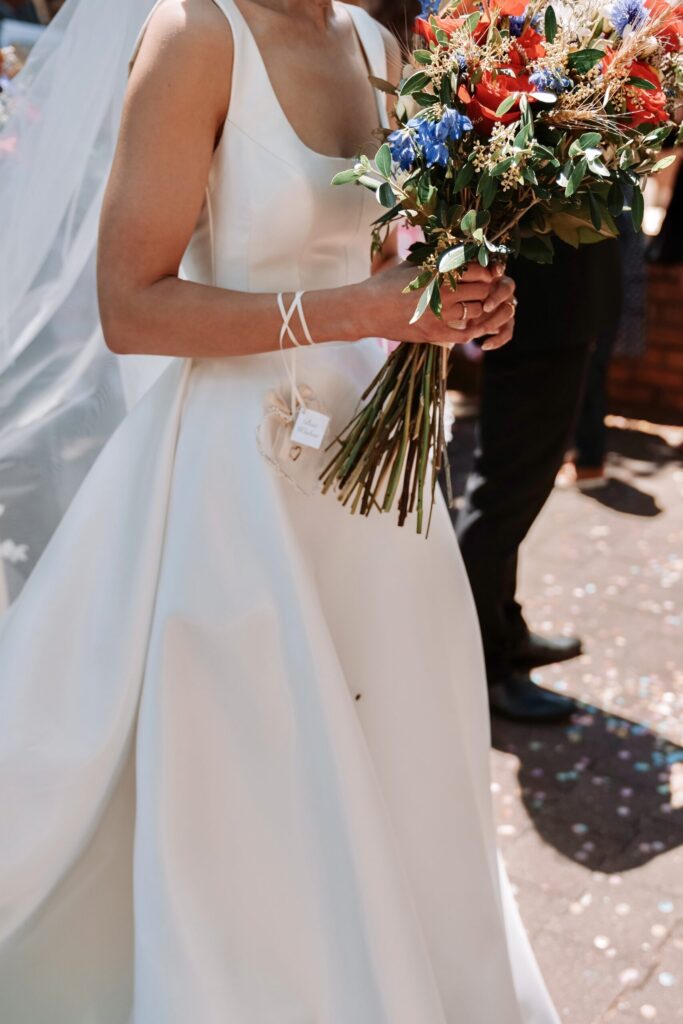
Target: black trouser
[(590, 439), (530, 395)]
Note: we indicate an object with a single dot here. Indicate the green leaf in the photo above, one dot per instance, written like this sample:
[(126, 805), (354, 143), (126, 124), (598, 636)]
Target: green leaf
[(385, 195), (423, 56), (502, 166), (344, 177), (435, 303), (424, 301), (584, 60), (596, 215), (575, 178), (452, 260), (413, 84), (463, 177), (483, 256), (523, 136), (654, 139), (666, 161), (469, 222), (472, 21), (507, 104), (637, 208), (640, 83), (487, 189), (383, 161), (590, 139), (550, 24)]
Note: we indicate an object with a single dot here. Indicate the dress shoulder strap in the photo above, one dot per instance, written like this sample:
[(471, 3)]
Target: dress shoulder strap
[(372, 40)]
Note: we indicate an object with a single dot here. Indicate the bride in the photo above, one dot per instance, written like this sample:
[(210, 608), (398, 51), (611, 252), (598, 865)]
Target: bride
[(243, 734)]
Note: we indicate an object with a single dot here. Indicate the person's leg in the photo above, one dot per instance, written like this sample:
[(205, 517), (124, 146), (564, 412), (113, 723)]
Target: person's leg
[(528, 406), (591, 433)]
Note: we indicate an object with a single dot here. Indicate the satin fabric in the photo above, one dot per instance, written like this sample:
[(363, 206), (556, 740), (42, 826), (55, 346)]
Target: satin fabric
[(243, 735)]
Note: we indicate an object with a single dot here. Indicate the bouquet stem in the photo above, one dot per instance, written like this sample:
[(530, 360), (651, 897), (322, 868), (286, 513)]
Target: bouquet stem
[(393, 449)]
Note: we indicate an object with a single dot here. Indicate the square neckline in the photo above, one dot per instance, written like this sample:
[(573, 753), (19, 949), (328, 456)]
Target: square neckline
[(290, 127)]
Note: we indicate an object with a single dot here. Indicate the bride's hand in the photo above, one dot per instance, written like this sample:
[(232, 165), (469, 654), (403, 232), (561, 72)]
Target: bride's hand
[(482, 305)]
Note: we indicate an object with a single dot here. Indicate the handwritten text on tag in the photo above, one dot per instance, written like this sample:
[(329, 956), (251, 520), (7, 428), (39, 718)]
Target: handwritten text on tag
[(310, 428)]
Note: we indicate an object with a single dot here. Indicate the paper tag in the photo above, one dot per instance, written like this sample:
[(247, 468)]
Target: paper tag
[(310, 428)]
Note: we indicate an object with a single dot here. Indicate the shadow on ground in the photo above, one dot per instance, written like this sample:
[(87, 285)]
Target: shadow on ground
[(598, 789)]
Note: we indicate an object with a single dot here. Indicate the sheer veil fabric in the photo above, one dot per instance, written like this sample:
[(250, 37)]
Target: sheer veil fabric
[(61, 392), (244, 737)]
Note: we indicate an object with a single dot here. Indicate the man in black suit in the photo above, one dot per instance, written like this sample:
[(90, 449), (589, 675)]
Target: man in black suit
[(530, 395)]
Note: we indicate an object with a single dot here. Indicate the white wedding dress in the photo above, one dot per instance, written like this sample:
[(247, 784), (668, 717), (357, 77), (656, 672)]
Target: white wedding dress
[(243, 734)]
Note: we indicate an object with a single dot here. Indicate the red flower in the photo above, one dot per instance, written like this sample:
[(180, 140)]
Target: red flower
[(424, 27), (670, 28), (646, 106), (489, 93), (504, 9), (529, 46)]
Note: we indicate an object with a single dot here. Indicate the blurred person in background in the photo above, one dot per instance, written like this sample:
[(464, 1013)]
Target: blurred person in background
[(529, 402), (530, 395)]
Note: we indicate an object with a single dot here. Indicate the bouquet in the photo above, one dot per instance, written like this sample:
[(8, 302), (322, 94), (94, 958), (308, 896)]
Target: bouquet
[(519, 122)]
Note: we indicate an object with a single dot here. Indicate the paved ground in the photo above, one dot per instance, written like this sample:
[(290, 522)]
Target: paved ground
[(590, 816)]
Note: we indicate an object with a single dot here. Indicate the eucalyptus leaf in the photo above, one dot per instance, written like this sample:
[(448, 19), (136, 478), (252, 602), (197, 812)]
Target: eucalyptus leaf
[(435, 303), (576, 177), (344, 177), (502, 166), (385, 195), (414, 83), (463, 177), (507, 104), (424, 301), (383, 161), (666, 161), (452, 260)]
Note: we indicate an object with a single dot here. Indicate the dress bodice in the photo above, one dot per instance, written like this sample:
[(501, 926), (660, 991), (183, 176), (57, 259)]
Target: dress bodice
[(271, 220)]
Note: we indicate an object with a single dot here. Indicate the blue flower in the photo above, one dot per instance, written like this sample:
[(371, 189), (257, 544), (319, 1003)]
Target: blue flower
[(452, 125), (518, 21), (403, 149), (550, 81), (627, 13), (462, 62), (428, 7)]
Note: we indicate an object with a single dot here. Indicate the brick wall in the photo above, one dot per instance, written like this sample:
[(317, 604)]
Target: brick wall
[(651, 387)]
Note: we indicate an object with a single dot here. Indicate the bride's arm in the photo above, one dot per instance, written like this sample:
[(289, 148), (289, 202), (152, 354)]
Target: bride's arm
[(175, 108)]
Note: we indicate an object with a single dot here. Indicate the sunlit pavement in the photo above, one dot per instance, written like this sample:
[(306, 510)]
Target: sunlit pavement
[(590, 815)]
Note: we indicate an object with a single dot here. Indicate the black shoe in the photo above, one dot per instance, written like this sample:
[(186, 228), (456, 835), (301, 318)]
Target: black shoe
[(535, 651), (519, 698)]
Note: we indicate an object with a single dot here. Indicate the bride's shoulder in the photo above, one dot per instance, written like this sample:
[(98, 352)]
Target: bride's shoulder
[(185, 34)]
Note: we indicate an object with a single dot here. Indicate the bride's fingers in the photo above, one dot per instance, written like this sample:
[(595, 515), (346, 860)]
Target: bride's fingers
[(493, 322), (463, 313), (503, 291)]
